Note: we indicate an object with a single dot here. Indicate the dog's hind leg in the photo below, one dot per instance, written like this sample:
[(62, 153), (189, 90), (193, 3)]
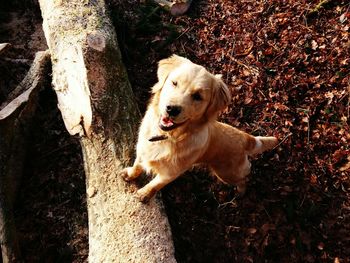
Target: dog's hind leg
[(234, 174)]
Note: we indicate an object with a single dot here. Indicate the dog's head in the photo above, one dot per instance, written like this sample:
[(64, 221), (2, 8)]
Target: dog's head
[(187, 93)]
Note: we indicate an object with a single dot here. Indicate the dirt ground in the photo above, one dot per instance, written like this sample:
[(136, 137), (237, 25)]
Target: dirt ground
[(287, 64)]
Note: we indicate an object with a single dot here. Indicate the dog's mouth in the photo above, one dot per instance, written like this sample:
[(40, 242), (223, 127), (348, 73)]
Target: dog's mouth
[(167, 124)]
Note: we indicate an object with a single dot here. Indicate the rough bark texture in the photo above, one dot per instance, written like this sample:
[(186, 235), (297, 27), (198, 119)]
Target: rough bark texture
[(96, 100), (175, 7), (15, 122)]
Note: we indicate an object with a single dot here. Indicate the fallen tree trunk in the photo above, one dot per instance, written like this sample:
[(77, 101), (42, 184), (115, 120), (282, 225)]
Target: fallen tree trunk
[(16, 116), (96, 102)]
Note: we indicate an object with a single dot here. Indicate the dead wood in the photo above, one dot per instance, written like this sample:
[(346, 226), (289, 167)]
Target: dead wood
[(175, 7), (22, 92), (96, 102), (15, 121)]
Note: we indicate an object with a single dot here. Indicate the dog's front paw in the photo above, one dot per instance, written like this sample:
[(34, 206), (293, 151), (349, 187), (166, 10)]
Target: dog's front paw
[(125, 174), (144, 194)]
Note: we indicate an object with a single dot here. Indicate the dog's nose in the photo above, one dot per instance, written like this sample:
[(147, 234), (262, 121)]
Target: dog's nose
[(173, 111)]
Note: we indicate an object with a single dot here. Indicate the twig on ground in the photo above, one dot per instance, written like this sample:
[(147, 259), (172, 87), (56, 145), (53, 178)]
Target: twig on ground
[(285, 138), (185, 32), (232, 202), (308, 129), (348, 104), (246, 52), (244, 65), (317, 8)]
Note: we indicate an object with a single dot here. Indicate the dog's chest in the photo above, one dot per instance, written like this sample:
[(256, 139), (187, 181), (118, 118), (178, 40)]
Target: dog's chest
[(176, 151)]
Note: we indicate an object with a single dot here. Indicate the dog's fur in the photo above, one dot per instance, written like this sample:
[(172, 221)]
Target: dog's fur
[(191, 135)]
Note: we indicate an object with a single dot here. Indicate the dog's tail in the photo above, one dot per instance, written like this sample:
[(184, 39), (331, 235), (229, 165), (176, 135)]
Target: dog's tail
[(260, 144)]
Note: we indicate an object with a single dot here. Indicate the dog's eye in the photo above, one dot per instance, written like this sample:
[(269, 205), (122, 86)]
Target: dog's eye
[(174, 83), (196, 96)]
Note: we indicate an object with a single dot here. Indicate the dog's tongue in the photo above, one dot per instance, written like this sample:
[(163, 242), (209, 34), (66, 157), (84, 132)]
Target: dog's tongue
[(167, 122)]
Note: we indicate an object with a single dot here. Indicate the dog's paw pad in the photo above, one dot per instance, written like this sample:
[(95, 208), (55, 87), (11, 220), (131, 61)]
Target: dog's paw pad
[(143, 196), (125, 175)]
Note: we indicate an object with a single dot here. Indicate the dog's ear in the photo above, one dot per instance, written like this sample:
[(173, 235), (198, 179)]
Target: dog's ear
[(165, 66), (220, 98)]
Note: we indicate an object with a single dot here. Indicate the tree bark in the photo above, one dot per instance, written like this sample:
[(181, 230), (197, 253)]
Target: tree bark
[(15, 121), (96, 102)]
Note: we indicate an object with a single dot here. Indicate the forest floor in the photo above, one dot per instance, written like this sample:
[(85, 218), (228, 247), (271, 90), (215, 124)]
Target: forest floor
[(288, 67)]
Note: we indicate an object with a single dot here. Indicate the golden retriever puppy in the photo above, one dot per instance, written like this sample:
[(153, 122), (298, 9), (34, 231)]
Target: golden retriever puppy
[(180, 129)]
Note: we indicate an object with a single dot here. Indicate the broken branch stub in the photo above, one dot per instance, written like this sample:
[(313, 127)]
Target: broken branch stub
[(175, 7), (16, 119)]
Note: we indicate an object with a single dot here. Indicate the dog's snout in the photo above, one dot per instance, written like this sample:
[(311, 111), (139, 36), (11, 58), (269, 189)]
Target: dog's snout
[(173, 111)]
